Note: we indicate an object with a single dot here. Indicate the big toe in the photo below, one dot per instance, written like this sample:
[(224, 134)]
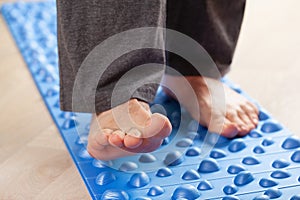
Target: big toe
[(225, 128), (153, 135), (229, 129), (160, 127)]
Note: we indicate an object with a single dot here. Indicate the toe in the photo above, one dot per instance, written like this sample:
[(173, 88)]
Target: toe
[(153, 135), (98, 141), (135, 132), (251, 113), (253, 106), (160, 127), (102, 137), (117, 138), (247, 121), (131, 142), (238, 122), (229, 130)]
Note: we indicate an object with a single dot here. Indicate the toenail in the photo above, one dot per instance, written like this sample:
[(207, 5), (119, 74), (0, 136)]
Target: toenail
[(134, 132), (107, 131), (119, 133)]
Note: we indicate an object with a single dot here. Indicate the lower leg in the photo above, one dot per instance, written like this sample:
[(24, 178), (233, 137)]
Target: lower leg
[(215, 25)]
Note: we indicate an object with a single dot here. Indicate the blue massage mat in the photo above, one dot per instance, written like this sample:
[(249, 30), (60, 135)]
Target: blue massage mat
[(190, 164)]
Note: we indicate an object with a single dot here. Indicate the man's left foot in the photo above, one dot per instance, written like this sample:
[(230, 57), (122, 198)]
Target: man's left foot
[(221, 109)]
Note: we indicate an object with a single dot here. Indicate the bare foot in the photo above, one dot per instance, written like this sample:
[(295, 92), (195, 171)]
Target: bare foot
[(222, 110), (125, 130)]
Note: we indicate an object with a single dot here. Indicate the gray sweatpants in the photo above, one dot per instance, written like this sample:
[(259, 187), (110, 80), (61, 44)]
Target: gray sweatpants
[(84, 24)]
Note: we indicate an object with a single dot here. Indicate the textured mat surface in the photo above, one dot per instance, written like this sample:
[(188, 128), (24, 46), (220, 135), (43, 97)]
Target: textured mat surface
[(191, 164)]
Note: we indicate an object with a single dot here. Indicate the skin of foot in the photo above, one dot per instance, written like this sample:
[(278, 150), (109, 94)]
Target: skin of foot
[(131, 127), (222, 110), (125, 130)]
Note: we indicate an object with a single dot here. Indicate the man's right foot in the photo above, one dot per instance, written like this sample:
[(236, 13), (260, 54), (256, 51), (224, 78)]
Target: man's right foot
[(125, 130)]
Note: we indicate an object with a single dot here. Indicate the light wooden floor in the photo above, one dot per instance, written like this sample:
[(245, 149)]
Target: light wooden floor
[(34, 163)]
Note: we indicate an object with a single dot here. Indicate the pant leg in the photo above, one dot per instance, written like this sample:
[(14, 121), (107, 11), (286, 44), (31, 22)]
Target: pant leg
[(215, 24), (83, 24)]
